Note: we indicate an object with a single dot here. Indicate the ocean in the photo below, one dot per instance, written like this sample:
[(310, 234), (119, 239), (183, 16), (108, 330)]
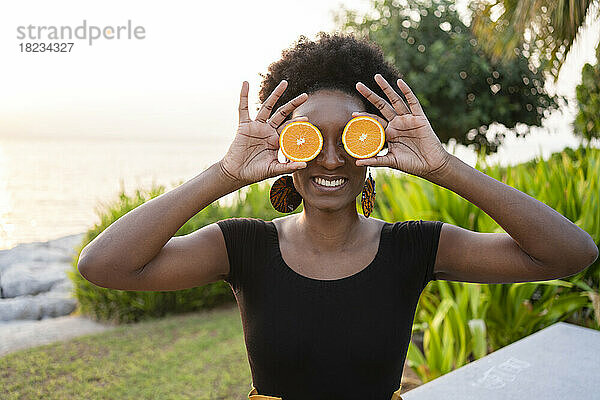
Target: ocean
[(50, 188)]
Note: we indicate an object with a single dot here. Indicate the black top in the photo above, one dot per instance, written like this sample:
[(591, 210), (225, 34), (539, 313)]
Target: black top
[(328, 339)]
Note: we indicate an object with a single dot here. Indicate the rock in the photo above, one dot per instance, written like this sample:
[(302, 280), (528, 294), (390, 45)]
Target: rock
[(24, 307), (67, 244), (30, 254), (45, 305), (56, 304), (57, 250), (65, 286), (31, 278)]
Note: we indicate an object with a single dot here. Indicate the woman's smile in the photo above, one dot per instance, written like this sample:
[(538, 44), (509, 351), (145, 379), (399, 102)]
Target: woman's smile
[(329, 184)]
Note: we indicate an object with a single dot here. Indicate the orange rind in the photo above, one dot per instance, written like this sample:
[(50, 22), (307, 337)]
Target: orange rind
[(300, 141), (363, 137)]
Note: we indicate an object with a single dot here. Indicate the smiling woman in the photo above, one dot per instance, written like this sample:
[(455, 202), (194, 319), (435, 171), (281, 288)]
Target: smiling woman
[(327, 297)]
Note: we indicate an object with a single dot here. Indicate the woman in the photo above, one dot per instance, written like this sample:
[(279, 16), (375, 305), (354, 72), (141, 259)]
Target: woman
[(327, 296)]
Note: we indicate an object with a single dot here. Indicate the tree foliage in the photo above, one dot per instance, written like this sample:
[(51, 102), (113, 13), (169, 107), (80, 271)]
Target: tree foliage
[(462, 90), (587, 121), (546, 29)]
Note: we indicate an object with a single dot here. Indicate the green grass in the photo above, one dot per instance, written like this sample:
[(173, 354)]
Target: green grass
[(188, 356)]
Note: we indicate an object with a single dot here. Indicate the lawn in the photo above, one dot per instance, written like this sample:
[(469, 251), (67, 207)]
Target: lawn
[(190, 356)]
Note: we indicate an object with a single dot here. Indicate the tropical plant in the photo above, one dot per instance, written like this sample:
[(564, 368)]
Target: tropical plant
[(462, 90), (520, 309), (452, 318), (545, 29)]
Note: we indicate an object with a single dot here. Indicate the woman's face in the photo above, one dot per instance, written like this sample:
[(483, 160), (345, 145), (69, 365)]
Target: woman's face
[(330, 111)]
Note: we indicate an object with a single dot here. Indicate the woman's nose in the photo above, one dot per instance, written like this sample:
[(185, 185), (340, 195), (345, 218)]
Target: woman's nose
[(331, 156)]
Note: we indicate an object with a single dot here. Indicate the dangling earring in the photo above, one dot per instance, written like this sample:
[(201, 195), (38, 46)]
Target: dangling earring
[(368, 196), (284, 196)]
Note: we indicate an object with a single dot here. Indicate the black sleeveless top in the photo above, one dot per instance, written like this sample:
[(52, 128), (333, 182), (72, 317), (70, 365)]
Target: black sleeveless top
[(328, 339)]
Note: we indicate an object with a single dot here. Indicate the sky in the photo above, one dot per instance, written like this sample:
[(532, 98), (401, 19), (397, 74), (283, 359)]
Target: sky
[(182, 79)]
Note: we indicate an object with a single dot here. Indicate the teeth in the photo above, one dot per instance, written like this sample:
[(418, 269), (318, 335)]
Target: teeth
[(324, 182)]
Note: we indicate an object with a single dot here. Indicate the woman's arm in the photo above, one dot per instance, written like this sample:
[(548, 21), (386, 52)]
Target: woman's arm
[(139, 252), (540, 243), (128, 244), (555, 246)]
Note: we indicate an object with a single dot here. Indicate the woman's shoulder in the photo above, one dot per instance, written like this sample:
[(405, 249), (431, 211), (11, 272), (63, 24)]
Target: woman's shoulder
[(241, 220), (241, 223), (245, 231), (416, 230), (413, 223)]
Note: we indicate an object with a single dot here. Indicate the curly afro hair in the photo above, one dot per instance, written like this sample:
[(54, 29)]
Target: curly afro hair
[(334, 61)]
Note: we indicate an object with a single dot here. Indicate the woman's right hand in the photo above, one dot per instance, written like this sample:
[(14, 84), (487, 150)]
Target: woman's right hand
[(252, 157)]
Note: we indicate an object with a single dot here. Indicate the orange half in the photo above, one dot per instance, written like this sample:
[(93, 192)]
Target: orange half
[(300, 141), (363, 137)]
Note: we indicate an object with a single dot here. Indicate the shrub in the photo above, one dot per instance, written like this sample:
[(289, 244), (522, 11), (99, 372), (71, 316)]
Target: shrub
[(131, 306)]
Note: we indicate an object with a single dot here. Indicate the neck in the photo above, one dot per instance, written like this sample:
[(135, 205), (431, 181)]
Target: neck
[(329, 231)]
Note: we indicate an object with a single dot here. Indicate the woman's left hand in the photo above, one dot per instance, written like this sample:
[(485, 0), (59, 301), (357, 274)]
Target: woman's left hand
[(413, 146)]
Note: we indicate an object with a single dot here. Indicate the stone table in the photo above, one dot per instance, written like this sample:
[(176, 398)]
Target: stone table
[(561, 361)]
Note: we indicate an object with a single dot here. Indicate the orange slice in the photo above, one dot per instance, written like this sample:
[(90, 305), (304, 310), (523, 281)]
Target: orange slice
[(363, 137), (300, 141)]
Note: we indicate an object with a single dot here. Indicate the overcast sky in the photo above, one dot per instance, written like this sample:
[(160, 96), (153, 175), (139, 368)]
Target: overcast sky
[(183, 79)]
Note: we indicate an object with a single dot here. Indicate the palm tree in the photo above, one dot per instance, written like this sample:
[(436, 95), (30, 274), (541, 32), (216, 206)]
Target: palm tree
[(542, 29)]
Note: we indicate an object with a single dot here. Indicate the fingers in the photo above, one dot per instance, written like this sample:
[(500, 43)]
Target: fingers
[(267, 106), (377, 161), (282, 112), (382, 121), (386, 109), (243, 107), (413, 102), (287, 168), (282, 127), (397, 102)]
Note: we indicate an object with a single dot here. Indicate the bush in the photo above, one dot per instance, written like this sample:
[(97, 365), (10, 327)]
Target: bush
[(131, 306)]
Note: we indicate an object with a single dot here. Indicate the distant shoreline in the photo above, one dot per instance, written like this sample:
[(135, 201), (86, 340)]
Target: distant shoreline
[(45, 243)]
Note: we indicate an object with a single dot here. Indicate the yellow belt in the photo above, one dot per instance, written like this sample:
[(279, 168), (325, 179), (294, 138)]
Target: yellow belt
[(253, 395)]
